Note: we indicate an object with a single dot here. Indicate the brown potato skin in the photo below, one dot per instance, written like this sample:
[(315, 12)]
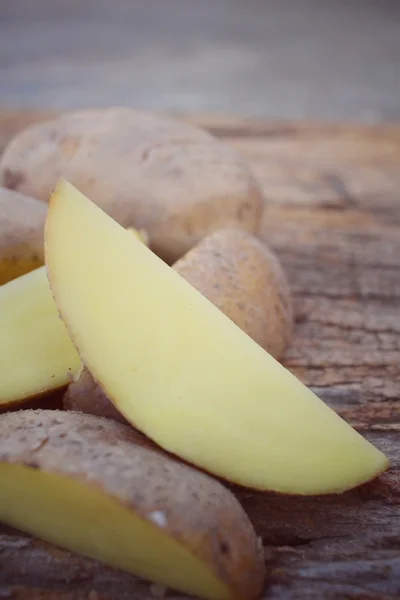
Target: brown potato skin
[(176, 181), (22, 221), (85, 395), (242, 277), (199, 511)]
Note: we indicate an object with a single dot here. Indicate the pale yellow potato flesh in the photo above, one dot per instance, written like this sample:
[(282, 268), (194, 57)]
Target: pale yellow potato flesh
[(86, 521), (36, 353), (182, 372)]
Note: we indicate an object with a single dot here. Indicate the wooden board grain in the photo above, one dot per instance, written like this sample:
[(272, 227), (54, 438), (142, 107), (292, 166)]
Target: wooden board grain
[(333, 216)]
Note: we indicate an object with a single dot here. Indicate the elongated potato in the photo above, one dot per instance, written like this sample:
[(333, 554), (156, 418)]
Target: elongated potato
[(176, 181), (95, 487), (239, 275), (183, 373), (22, 222)]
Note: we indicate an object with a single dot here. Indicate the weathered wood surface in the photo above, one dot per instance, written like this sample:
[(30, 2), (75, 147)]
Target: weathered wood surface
[(333, 216)]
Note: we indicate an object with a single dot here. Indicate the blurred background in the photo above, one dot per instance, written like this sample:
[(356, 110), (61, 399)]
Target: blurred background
[(329, 59)]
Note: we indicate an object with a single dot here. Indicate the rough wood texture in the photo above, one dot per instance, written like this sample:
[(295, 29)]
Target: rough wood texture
[(333, 217)]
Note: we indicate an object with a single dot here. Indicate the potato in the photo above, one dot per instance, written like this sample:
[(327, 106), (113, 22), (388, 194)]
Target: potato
[(176, 181), (37, 356), (182, 372), (22, 222), (239, 275), (95, 487), (83, 394), (244, 279)]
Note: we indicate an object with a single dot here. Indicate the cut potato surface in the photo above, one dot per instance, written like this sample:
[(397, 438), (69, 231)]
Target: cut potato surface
[(93, 486), (182, 372), (22, 222), (36, 353)]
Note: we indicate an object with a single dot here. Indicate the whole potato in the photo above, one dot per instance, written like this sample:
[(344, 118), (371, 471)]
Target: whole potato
[(242, 277), (22, 222), (177, 182)]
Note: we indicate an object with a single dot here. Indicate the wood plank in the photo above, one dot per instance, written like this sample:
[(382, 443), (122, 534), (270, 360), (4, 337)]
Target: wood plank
[(332, 214)]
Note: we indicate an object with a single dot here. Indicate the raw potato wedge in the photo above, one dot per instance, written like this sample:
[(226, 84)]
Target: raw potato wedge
[(174, 180), (239, 275), (182, 372), (22, 222), (37, 356), (242, 277), (95, 487)]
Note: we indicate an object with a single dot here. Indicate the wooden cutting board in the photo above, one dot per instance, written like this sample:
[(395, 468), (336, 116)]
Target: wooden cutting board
[(333, 216)]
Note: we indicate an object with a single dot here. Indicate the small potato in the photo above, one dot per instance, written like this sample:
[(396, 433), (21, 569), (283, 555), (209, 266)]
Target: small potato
[(242, 277), (177, 182), (100, 489), (22, 222)]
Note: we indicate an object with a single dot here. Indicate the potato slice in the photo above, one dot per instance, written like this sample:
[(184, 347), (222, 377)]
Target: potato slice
[(22, 222), (36, 353), (175, 180), (182, 372), (95, 487)]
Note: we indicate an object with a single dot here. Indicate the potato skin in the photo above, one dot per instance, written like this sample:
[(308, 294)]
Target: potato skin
[(85, 395), (199, 511), (176, 181), (240, 275), (22, 222)]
